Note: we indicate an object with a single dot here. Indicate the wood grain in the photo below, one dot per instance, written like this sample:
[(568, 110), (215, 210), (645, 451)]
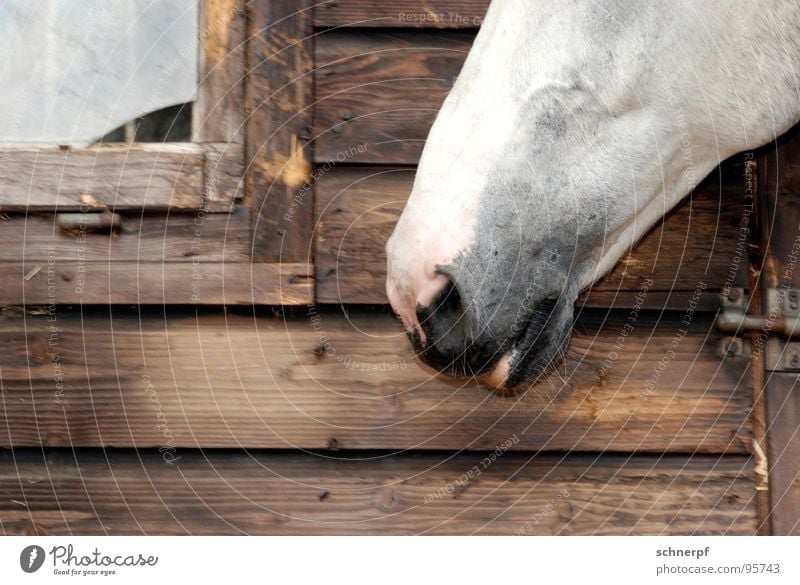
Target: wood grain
[(168, 176), (356, 209), (402, 13), (279, 96), (113, 176), (783, 439), (381, 91), (756, 241), (659, 300), (224, 177), (317, 378), (150, 237), (218, 112), (781, 163), (779, 188), (55, 282), (137, 493)]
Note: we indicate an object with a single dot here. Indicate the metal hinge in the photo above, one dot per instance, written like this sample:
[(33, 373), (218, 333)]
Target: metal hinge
[(782, 320)]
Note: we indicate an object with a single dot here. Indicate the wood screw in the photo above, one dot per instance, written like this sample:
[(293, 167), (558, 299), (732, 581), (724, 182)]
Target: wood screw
[(733, 347)]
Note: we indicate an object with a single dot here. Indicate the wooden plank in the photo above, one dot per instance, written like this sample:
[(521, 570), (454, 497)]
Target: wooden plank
[(279, 96), (782, 165), (315, 378), (752, 195), (218, 112), (658, 300), (379, 92), (153, 283), (356, 211), (113, 176), (357, 208), (783, 439), (169, 176), (125, 492), (176, 237), (402, 13), (224, 177), (780, 209)]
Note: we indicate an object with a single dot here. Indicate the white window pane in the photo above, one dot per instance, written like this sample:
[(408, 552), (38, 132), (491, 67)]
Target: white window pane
[(73, 70)]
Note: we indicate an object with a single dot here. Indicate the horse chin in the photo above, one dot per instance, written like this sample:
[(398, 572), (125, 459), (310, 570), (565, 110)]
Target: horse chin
[(538, 349)]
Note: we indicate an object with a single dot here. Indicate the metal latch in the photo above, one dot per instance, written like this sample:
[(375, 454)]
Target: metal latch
[(782, 320), (89, 221)]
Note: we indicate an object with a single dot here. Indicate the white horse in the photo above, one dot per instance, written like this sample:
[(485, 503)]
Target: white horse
[(572, 129)]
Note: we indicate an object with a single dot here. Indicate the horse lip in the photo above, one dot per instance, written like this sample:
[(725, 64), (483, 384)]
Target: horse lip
[(524, 350), (504, 367), (496, 379)]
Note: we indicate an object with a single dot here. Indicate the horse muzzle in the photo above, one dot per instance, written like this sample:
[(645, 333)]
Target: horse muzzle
[(503, 348)]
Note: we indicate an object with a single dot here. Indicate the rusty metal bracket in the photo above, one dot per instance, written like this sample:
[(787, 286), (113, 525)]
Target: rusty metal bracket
[(783, 313), (782, 321)]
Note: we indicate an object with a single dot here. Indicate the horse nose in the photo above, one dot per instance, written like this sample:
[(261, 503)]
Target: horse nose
[(452, 342), (443, 322), (421, 290), (440, 320)]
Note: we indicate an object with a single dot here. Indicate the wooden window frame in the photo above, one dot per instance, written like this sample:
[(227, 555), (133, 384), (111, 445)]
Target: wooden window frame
[(223, 189)]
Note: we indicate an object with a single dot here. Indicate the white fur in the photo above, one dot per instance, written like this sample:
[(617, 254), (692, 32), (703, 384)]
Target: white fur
[(689, 84)]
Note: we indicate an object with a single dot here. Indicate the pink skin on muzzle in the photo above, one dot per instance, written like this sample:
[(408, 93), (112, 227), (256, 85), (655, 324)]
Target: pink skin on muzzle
[(405, 306), (497, 377)]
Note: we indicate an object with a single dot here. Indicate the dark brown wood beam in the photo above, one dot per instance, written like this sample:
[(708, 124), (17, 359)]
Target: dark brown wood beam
[(210, 493), (402, 13), (317, 378), (130, 283), (279, 158)]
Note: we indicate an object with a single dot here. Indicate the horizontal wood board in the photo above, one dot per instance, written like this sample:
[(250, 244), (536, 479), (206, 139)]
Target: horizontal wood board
[(320, 378), (152, 283), (401, 13), (210, 493)]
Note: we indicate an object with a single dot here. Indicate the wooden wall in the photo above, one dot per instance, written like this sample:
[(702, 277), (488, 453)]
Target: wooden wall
[(130, 421), (318, 419)]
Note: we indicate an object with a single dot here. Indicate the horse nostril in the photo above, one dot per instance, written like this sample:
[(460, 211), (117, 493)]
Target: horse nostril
[(444, 324), (447, 305)]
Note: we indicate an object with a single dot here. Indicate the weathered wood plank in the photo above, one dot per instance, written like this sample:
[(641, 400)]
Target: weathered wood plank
[(780, 224), (218, 112), (151, 237), (117, 177), (783, 424), (782, 164), (209, 493), (756, 241), (658, 300), (381, 91), (224, 177), (55, 282), (124, 492), (402, 13), (357, 209), (320, 379), (114, 176), (279, 97)]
